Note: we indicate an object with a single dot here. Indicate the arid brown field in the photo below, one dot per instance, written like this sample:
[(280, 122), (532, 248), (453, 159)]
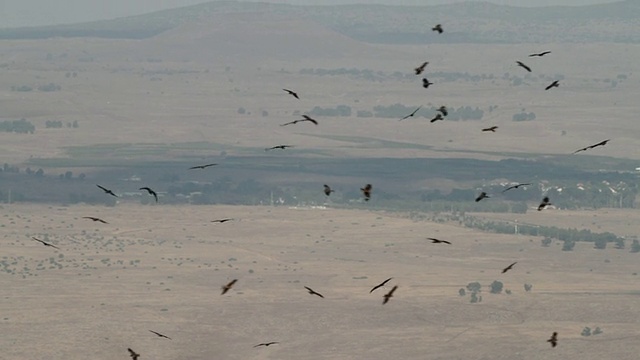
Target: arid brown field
[(161, 268)]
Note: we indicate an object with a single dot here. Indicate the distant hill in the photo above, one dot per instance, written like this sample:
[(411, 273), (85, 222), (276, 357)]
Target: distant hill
[(470, 22)]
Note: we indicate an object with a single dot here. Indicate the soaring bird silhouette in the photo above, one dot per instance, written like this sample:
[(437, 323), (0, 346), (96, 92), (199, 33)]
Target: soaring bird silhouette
[(544, 203), (306, 118), (160, 335), (522, 65), (443, 110), (601, 143), (411, 115), (389, 295), (483, 195), (267, 344), (201, 166), (438, 241), (292, 93), (426, 83), (380, 285), (95, 219), (437, 117), (150, 191), (327, 190), (312, 292), (221, 220), (278, 147), (228, 286), (555, 83), (133, 354), (492, 129), (508, 267), (514, 187), (437, 28), (553, 339), (420, 68), (107, 190), (366, 191), (45, 243), (541, 54)]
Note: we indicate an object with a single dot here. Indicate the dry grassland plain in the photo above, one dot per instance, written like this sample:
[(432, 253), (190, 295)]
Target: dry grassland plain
[(161, 267)]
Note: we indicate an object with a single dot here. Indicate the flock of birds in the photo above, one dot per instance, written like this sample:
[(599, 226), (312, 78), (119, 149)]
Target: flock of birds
[(442, 112)]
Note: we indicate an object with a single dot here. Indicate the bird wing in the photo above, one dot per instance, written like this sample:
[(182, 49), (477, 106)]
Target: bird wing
[(289, 123), (583, 149), (524, 66), (103, 188), (312, 120)]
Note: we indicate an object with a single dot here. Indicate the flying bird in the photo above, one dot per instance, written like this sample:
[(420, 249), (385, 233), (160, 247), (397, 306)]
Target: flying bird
[(544, 203), (221, 220), (202, 166), (514, 187), (438, 241), (508, 267), (328, 190), (411, 115), (278, 147), (306, 118), (483, 195), (267, 344), (492, 129), (541, 54), (150, 191), (95, 219), (366, 191), (228, 286), (426, 83), (292, 93), (553, 339), (389, 295), (107, 190), (522, 65), (437, 28), (380, 285), (420, 68), (133, 354), (555, 83), (443, 110), (437, 117), (311, 292), (45, 243), (160, 335), (601, 143)]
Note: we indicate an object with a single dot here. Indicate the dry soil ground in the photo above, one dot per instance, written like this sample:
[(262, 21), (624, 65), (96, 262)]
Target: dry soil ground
[(161, 267)]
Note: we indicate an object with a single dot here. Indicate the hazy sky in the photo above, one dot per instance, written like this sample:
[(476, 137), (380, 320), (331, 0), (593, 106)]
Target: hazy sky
[(14, 13)]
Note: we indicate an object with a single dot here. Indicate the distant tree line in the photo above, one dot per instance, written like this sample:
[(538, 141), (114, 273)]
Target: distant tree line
[(57, 124), (45, 87), (399, 111), (340, 110), (569, 236), (21, 126)]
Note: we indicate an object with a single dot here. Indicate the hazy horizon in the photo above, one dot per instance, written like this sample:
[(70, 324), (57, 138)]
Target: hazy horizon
[(18, 13)]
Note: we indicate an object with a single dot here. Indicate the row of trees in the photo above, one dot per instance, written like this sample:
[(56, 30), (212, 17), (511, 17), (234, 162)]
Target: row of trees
[(44, 87), (568, 236), (57, 124), (399, 111), (21, 126)]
